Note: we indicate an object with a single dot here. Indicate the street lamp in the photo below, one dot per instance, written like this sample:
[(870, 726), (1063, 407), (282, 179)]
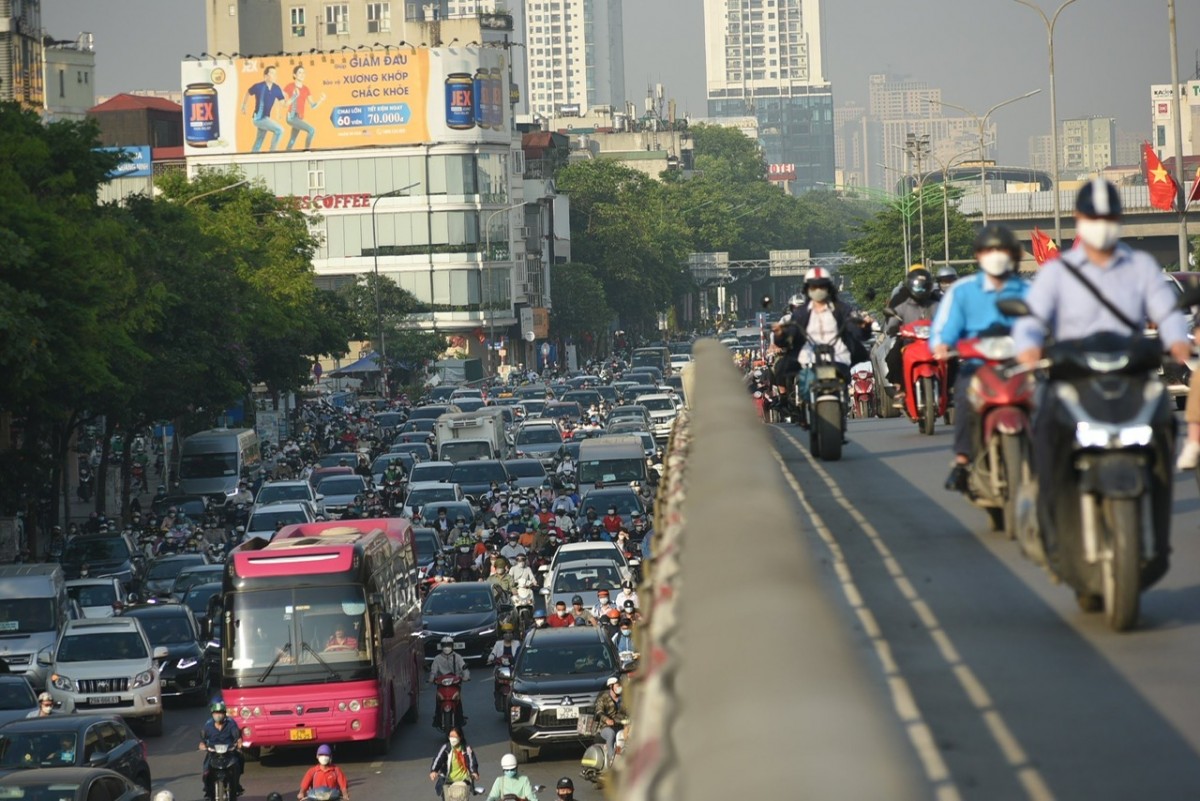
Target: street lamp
[(904, 207), (946, 166), (917, 147), (242, 182), (982, 122), (1050, 22), (383, 371), (487, 255)]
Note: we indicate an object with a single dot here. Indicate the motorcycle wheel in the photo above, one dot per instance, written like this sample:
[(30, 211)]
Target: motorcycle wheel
[(220, 791), (1018, 470), (447, 720), (1121, 568), (884, 403), (929, 414), (827, 428)]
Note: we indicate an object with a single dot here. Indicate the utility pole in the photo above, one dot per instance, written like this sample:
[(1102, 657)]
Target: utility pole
[(1183, 188)]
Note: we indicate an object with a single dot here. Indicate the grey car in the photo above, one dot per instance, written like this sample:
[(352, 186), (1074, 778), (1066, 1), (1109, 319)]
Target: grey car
[(541, 442), (340, 492)]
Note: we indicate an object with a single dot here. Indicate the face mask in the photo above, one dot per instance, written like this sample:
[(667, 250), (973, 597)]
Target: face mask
[(218, 718), (447, 650), (995, 262), (454, 741), (616, 689), (324, 760), (539, 622), (819, 295), (612, 511), (1099, 234), (624, 632), (561, 612), (604, 602), (512, 774)]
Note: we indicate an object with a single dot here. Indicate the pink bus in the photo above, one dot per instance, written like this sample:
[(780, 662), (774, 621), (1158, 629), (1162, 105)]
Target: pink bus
[(317, 633)]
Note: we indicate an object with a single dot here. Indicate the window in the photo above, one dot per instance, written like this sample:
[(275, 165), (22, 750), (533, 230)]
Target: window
[(299, 20), (316, 179), (337, 19), (62, 83), (379, 17)]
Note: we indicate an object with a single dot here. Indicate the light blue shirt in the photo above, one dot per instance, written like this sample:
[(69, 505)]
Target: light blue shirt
[(1064, 308), (969, 307)]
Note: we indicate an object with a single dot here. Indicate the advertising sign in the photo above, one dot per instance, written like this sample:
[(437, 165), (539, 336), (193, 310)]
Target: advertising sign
[(136, 165), (328, 101), (781, 172), (541, 322)]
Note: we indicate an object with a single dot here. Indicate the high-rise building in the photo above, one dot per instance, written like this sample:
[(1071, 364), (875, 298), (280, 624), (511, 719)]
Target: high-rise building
[(763, 59), (21, 67), (69, 69), (1163, 119), (1088, 146), (575, 55), (851, 127), (1041, 152)]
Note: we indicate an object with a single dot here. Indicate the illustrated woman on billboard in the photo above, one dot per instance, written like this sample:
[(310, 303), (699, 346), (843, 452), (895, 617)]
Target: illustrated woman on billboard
[(265, 93), (299, 99)]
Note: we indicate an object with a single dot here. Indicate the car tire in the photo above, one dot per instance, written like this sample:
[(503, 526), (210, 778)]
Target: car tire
[(143, 780), (154, 726)]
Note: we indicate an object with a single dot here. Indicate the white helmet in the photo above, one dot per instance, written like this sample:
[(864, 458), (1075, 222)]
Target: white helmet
[(817, 275), (508, 762)]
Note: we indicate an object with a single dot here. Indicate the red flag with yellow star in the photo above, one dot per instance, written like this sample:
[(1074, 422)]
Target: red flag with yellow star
[(1163, 189), (1044, 248), (1194, 192)]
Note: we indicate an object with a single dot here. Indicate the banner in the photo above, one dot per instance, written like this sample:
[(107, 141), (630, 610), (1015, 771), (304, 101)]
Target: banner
[(335, 101), (136, 164)]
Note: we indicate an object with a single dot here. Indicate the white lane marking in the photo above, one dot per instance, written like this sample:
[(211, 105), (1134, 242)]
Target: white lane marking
[(1029, 777), (918, 731)]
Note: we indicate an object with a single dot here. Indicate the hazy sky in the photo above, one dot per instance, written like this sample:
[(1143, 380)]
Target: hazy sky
[(980, 52)]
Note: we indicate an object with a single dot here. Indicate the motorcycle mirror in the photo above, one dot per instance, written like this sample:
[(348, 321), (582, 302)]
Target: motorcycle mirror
[(766, 301), (504, 673), (1015, 307)]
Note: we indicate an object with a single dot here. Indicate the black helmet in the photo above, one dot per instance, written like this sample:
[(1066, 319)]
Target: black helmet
[(920, 283), (1098, 198), (946, 274), (998, 237), (565, 783)]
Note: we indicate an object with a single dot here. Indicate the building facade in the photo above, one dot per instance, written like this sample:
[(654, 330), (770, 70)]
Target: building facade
[(1162, 137), (763, 59), (69, 72), (21, 68), (575, 55), (1088, 146)]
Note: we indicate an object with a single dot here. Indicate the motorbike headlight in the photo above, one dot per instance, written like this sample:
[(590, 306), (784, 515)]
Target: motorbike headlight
[(1089, 436), (62, 683), (1136, 436), (187, 662), (146, 677)]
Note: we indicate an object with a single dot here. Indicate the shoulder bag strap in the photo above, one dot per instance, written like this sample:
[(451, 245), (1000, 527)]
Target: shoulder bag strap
[(1083, 279)]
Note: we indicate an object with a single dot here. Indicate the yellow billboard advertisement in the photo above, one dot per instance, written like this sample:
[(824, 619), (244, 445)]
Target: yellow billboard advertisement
[(352, 99)]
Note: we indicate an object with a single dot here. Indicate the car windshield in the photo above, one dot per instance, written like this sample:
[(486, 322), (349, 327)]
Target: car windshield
[(43, 749), (431, 472), (287, 492), (164, 630), (295, 629), (337, 460), (104, 549), (96, 647), (538, 435), (341, 485), (267, 521), (191, 578), (421, 497), (381, 464), (208, 465), (611, 470), (170, 569), (477, 472), (197, 597), (526, 468), (16, 695), (585, 579), (426, 543), (459, 602), (563, 660), (26, 615), (626, 503), (632, 412), (569, 555), (93, 594), (658, 404)]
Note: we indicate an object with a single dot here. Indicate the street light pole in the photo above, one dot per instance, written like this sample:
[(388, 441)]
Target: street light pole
[(1050, 22), (982, 122), (382, 355), (487, 255), (1183, 188), (919, 146), (946, 166)]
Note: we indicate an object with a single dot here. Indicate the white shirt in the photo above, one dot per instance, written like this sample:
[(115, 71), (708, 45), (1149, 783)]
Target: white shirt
[(823, 330)]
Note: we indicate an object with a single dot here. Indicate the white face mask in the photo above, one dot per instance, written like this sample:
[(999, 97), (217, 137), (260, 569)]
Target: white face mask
[(995, 262), (818, 294), (1099, 234), (446, 649), (324, 760), (454, 741)]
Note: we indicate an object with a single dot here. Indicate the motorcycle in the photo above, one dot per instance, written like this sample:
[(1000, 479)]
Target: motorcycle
[(926, 380), (502, 677), (826, 405), (1003, 409), (862, 390), (523, 610), (449, 700), (595, 762), (222, 759), (1105, 530), (464, 563), (885, 402)]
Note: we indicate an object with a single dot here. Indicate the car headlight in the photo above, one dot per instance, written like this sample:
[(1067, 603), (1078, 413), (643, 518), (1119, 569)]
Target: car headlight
[(521, 699), (486, 630), (187, 662), (143, 679), (62, 683)]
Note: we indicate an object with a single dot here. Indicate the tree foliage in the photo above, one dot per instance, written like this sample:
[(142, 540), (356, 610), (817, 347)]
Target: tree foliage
[(581, 307)]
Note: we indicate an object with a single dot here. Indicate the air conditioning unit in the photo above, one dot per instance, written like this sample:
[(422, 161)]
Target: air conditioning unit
[(523, 232), (521, 288)]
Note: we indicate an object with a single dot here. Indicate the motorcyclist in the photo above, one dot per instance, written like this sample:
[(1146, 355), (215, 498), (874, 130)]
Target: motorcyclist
[(506, 646), (539, 618), (449, 662), (243, 494), (561, 617), (919, 303), (513, 548), (603, 604), (789, 339), (45, 707), (522, 576), (623, 639), (581, 615), (610, 714), (221, 730), (455, 763), (627, 593), (612, 521), (512, 782), (500, 579), (946, 276), (324, 774), (565, 789), (966, 311), (441, 524)]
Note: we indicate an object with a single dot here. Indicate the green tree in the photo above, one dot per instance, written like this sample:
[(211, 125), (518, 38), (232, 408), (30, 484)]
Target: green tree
[(581, 308), (727, 154)]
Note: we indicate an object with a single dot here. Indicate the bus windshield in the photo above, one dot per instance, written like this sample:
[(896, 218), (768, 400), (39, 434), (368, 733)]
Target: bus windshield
[(611, 470), (208, 465), (300, 635)]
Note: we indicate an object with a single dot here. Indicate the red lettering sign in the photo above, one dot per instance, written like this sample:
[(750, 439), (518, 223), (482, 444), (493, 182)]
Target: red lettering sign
[(358, 200)]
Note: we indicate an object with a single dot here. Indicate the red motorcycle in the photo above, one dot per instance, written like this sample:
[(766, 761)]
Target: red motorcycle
[(1002, 431), (503, 683), (449, 700), (862, 392), (926, 384)]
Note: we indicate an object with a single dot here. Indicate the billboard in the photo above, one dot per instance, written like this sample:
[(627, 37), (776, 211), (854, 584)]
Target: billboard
[(781, 172), (333, 101), (136, 164)]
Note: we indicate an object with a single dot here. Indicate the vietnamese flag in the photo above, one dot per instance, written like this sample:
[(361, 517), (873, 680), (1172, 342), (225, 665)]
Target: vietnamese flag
[(1044, 248), (1163, 189), (1194, 192)]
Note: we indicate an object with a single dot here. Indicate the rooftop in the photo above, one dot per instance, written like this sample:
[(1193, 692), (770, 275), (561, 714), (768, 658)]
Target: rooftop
[(127, 102)]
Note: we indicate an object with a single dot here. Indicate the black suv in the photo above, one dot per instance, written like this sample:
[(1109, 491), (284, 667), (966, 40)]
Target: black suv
[(95, 741), (557, 677), (185, 672)]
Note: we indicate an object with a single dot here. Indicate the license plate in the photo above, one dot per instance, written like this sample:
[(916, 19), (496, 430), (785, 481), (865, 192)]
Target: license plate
[(98, 700), (568, 712), (460, 646), (302, 734)]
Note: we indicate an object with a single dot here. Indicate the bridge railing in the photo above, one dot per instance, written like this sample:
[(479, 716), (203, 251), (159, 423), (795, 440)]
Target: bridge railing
[(1035, 204), (749, 686)]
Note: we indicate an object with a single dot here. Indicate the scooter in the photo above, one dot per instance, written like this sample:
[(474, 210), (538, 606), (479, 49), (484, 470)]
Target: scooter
[(449, 700), (862, 390), (1003, 408), (826, 405), (523, 610), (221, 762), (595, 763), (926, 380), (1105, 530), (503, 683)]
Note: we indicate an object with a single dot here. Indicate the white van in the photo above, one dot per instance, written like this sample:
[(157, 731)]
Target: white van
[(214, 461), (34, 610), (618, 459)]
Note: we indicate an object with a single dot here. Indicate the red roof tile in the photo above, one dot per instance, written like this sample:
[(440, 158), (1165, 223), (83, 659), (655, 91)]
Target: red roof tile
[(127, 102)]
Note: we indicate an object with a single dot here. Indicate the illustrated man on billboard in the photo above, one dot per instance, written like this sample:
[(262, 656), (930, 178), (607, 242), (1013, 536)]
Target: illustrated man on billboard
[(265, 93), (299, 99)]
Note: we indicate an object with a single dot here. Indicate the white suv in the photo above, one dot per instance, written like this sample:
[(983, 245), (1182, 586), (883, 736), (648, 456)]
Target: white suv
[(108, 666)]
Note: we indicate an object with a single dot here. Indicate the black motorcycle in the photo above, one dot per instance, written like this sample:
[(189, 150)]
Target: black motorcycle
[(222, 762), (826, 405)]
